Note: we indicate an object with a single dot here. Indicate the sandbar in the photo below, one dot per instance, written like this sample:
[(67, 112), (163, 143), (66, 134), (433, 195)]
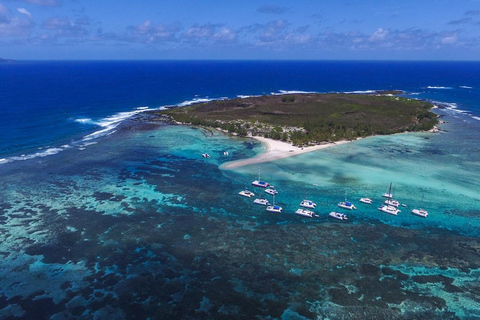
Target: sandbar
[(275, 150)]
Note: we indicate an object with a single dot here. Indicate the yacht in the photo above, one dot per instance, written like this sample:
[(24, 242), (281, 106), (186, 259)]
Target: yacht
[(420, 212), (389, 193), (391, 202), (271, 190), (246, 193), (305, 213), (338, 215), (308, 204), (389, 209), (260, 183), (366, 200), (346, 205), (261, 201), (274, 209)]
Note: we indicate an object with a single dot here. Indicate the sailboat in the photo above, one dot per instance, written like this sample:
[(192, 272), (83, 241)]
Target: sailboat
[(338, 215), (260, 183), (366, 200), (305, 213), (246, 193), (420, 212), (261, 201), (389, 193), (308, 204), (345, 204), (273, 208), (389, 209)]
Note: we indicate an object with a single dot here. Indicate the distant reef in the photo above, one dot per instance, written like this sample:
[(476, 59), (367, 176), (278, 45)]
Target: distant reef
[(6, 60), (310, 119)]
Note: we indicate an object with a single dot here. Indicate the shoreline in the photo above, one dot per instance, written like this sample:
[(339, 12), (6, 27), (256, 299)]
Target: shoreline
[(276, 150)]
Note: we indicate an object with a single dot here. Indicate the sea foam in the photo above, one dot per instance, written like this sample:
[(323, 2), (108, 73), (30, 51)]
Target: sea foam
[(438, 87), (283, 92)]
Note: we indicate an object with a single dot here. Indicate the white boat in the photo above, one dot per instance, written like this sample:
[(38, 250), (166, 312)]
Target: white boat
[(391, 202), (389, 209), (246, 193), (271, 191), (366, 200), (260, 183), (261, 201), (273, 208), (305, 213), (389, 193), (338, 215), (308, 204), (205, 155), (420, 212), (345, 204)]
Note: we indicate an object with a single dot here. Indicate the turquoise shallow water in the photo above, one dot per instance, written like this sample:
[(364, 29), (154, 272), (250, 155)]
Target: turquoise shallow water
[(138, 224)]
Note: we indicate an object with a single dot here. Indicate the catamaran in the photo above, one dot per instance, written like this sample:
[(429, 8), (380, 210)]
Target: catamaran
[(308, 204), (305, 213), (271, 190), (391, 202), (420, 212), (338, 215), (345, 204), (261, 201), (260, 183), (273, 208), (389, 193), (246, 193), (366, 200), (389, 209)]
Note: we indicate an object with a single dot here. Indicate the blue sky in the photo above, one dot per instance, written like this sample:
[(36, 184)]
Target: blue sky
[(204, 29)]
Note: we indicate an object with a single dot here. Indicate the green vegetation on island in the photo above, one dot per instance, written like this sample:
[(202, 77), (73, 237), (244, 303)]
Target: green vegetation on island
[(305, 119)]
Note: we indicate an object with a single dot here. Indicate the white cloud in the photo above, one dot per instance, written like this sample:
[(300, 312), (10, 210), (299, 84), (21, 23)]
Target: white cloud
[(450, 39), (147, 32), (64, 27), (379, 35), (11, 26), (24, 11), (15, 27), (210, 32), (224, 35)]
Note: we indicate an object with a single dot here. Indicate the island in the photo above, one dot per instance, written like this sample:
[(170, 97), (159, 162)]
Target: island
[(297, 123)]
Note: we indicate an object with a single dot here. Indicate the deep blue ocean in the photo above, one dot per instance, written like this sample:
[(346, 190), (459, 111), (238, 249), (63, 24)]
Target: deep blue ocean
[(105, 215)]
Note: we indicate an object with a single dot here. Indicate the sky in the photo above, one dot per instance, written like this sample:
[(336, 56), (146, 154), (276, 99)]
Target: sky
[(240, 30)]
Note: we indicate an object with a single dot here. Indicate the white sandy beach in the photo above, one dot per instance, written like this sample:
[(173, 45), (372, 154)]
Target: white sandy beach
[(276, 150)]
